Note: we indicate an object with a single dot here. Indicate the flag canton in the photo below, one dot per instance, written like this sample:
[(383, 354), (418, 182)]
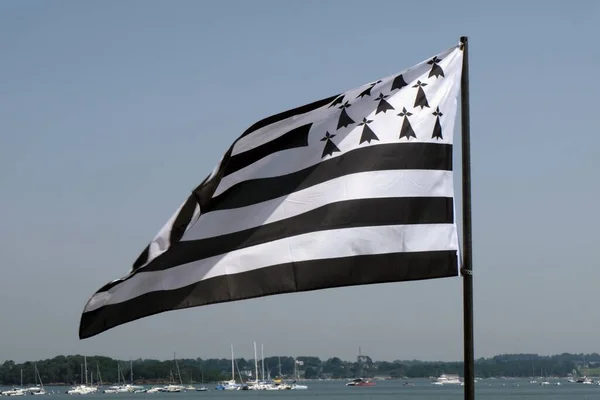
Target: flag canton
[(411, 106)]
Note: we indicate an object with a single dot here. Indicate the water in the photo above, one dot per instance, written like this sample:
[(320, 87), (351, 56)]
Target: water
[(490, 389)]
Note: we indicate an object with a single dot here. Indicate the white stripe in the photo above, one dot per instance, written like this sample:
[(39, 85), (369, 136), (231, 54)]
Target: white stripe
[(364, 185), (315, 245), (273, 131)]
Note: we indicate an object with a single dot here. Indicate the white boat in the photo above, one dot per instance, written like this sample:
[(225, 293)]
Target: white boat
[(15, 392), (360, 382), (271, 386), (278, 383), (296, 386), (38, 389), (84, 388), (533, 380), (118, 388), (447, 380), (174, 388), (231, 384), (129, 387), (35, 390), (585, 380), (260, 383), (202, 388)]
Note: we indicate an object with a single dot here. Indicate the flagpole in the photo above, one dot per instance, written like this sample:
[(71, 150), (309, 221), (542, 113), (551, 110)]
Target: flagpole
[(467, 253)]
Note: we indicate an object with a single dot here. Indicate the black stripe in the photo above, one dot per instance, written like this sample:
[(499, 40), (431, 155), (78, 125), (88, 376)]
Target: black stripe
[(396, 156), (142, 259), (340, 215), (182, 220), (297, 137), (284, 278), (204, 192), (288, 114)]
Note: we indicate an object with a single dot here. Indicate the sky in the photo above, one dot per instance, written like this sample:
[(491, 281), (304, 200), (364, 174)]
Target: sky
[(112, 112)]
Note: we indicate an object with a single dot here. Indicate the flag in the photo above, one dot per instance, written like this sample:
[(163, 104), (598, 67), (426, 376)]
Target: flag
[(353, 189)]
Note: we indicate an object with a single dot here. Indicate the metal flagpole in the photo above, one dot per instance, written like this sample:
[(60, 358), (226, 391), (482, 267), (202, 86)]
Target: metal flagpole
[(467, 254)]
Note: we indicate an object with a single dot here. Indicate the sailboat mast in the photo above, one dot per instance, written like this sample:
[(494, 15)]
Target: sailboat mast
[(86, 374), (360, 365), (131, 369), (21, 377), (98, 373), (279, 359), (35, 373), (232, 364), (177, 366), (262, 360), (255, 363), (237, 367)]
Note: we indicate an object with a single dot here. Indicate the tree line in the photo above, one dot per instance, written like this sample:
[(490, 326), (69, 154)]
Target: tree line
[(68, 369)]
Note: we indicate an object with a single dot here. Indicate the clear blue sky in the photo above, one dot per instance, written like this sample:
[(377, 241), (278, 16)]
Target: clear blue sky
[(112, 111)]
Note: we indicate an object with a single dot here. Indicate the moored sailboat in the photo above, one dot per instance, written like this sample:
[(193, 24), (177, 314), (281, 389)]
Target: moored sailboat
[(38, 389), (360, 382), (230, 385)]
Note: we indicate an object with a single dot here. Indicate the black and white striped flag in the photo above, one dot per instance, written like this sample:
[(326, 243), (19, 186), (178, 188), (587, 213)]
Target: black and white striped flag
[(349, 190)]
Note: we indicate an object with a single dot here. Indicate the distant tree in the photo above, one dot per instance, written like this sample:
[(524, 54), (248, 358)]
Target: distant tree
[(66, 369), (310, 373)]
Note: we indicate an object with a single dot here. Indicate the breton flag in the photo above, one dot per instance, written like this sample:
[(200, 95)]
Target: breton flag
[(349, 190)]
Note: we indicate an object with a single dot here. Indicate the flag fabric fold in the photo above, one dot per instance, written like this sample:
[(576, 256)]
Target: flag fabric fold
[(349, 190)]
